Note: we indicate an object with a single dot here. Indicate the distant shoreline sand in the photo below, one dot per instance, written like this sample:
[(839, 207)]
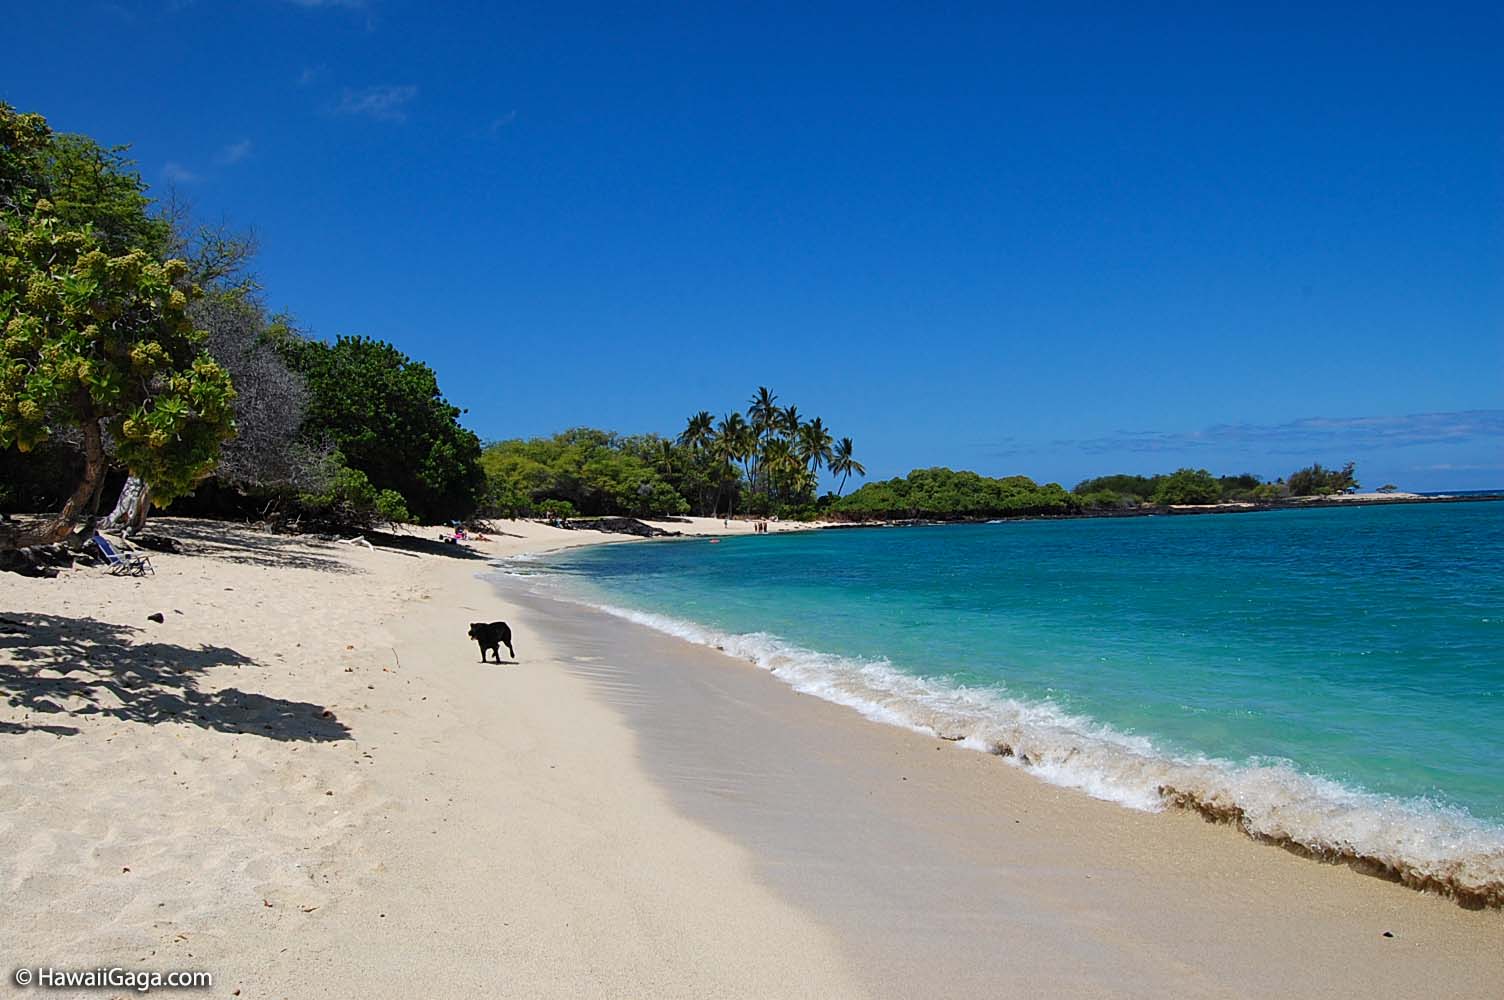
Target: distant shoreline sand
[(304, 781)]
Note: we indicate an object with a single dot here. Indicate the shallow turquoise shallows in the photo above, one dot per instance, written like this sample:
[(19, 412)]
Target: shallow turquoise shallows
[(1331, 676)]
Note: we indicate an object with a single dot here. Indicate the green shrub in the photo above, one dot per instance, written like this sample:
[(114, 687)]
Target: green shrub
[(1108, 500), (556, 508), (595, 472), (348, 497), (1188, 486), (391, 507), (942, 493), (1314, 480)]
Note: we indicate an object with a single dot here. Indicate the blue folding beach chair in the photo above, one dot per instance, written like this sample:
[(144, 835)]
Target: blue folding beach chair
[(122, 563)]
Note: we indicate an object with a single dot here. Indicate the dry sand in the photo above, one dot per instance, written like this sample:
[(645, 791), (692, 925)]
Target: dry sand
[(304, 781)]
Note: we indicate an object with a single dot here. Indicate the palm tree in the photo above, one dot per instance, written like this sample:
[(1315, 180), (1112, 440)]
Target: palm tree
[(763, 412), (779, 461), (788, 421), (814, 443), (697, 436), (699, 431), (734, 442), (842, 464), (666, 457)]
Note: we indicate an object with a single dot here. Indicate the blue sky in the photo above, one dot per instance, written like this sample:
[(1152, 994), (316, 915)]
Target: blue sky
[(1016, 238)]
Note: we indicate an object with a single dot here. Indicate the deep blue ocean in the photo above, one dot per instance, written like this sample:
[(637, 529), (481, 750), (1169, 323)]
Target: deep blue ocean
[(1332, 677)]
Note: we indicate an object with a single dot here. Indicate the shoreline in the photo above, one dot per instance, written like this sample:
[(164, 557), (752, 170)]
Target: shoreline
[(1353, 829), (889, 835), (304, 780)]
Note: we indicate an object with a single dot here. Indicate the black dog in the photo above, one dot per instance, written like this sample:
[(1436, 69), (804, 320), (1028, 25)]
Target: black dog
[(492, 636)]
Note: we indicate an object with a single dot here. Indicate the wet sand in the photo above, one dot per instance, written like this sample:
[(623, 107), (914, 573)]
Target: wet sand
[(946, 872)]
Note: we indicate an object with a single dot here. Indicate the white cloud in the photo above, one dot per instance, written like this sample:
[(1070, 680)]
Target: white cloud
[(234, 152), (178, 174), (386, 103), (1454, 467), (1308, 432)]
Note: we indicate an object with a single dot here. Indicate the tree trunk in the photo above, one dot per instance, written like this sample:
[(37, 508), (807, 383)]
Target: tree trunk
[(130, 511), (57, 529)]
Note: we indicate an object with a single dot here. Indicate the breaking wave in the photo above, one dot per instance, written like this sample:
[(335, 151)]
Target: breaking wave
[(1417, 842)]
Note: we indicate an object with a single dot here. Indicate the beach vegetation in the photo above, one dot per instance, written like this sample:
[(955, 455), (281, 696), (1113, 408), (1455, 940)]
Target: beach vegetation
[(272, 449), (1119, 488), (347, 497), (1316, 480), (1187, 486), (764, 462), (388, 419), (1270, 492), (1190, 487), (557, 509), (87, 185), (99, 347), (1108, 500), (1239, 487), (843, 463), (133, 341), (946, 494), (594, 472), (101, 363)]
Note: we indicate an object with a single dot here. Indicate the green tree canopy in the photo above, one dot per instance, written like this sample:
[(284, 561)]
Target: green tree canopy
[(385, 414), (87, 184), (594, 472), (1315, 480), (1129, 486), (1188, 486), (98, 342), (24, 141), (942, 493)]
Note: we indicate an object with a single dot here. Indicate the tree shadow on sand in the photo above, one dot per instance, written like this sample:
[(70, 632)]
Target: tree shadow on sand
[(247, 548), (266, 548), (419, 545), (72, 667)]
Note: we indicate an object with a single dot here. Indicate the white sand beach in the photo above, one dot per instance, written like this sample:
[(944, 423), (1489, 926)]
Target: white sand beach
[(304, 781)]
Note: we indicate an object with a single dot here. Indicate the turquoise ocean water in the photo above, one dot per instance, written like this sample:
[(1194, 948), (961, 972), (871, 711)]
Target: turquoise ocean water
[(1332, 677)]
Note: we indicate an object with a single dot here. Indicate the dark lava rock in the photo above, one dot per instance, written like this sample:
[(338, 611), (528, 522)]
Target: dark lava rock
[(619, 526)]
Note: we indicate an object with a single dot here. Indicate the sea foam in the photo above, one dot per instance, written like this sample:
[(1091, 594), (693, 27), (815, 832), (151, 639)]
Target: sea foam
[(1417, 842)]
